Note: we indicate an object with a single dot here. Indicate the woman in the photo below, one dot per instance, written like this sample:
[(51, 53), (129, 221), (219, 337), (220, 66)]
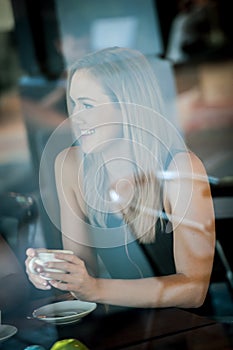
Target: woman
[(130, 184)]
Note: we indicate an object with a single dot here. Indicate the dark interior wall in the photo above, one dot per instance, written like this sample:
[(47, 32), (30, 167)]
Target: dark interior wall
[(37, 34)]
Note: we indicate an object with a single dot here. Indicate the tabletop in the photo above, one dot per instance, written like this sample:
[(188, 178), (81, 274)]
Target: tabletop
[(128, 328)]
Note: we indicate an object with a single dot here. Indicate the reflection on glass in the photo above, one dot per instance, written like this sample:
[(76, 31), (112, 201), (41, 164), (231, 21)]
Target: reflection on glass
[(91, 25)]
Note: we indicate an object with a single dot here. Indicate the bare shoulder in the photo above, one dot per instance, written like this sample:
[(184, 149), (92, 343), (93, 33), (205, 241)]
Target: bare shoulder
[(187, 162), (68, 159), (68, 164), (68, 156), (188, 180)]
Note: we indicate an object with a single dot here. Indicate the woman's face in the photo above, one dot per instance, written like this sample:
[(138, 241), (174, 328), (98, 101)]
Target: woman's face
[(97, 122)]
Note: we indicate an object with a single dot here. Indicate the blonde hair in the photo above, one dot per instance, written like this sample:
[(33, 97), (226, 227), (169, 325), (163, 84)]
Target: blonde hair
[(129, 80)]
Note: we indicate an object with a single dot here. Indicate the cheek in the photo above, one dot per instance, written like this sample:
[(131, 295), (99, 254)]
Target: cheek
[(113, 127), (110, 114), (114, 131), (107, 120)]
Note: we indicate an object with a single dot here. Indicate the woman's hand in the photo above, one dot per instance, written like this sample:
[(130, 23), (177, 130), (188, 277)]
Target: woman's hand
[(36, 279), (75, 278)]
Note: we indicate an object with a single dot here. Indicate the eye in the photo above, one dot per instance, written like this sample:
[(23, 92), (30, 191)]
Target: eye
[(87, 105)]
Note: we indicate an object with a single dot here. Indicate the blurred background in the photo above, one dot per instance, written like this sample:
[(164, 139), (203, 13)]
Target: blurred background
[(190, 44)]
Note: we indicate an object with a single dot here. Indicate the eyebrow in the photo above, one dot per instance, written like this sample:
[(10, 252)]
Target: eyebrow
[(86, 98)]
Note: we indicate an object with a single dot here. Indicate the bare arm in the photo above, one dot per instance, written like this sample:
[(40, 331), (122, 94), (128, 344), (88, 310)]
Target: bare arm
[(73, 227)]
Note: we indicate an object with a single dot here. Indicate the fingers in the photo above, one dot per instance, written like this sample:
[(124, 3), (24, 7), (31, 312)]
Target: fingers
[(73, 268), (30, 252), (68, 257), (67, 272), (72, 273), (38, 281), (64, 266), (61, 285), (69, 263)]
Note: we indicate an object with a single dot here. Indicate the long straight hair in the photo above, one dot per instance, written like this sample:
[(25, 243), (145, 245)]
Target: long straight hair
[(129, 80)]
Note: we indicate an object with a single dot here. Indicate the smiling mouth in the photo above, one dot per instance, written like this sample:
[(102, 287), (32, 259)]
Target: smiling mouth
[(87, 132)]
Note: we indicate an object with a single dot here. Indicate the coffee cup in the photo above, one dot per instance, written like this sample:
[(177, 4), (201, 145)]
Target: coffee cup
[(44, 257)]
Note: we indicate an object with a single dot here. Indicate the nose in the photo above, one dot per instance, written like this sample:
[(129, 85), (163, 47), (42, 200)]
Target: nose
[(77, 121), (76, 116), (76, 110)]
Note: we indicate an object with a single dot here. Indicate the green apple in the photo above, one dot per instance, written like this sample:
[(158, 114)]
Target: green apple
[(69, 344)]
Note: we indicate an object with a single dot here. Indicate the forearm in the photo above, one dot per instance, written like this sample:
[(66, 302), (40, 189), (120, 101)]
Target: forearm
[(168, 291)]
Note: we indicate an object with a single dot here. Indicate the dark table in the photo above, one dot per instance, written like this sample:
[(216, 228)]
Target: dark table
[(169, 328)]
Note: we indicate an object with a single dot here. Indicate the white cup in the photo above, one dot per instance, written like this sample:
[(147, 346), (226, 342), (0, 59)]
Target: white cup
[(43, 257)]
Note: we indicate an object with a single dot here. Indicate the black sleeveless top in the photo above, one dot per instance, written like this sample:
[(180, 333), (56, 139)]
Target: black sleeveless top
[(139, 260)]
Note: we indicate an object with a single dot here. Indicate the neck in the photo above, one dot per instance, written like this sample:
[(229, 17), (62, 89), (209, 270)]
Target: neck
[(119, 163)]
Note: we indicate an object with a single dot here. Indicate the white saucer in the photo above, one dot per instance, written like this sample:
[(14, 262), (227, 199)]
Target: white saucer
[(64, 312), (6, 331)]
